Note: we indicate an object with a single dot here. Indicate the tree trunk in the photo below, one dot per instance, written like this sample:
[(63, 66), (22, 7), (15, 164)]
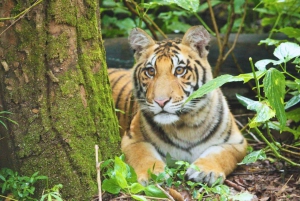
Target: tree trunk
[(54, 80)]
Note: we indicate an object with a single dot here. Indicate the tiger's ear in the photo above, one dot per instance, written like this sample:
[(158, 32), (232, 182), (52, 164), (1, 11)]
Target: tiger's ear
[(198, 39), (139, 40)]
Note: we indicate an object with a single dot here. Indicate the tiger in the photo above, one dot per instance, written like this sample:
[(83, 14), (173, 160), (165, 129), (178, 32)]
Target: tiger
[(159, 122)]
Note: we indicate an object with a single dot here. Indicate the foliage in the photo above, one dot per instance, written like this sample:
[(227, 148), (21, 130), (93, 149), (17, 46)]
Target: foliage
[(279, 101), (3, 117), (22, 187), (282, 16), (168, 15), (121, 178)]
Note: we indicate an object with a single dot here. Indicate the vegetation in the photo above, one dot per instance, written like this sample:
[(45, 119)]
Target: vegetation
[(120, 178), (17, 187)]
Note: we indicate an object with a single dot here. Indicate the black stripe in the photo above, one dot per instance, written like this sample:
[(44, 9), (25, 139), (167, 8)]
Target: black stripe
[(120, 94), (160, 133), (115, 70), (228, 134), (115, 82)]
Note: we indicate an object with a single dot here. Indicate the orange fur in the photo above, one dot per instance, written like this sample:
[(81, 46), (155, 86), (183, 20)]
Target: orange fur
[(159, 122)]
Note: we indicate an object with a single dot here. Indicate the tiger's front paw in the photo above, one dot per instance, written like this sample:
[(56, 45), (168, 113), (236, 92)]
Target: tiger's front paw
[(143, 174), (205, 175)]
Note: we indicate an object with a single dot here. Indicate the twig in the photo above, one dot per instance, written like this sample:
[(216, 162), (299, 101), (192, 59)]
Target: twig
[(234, 185), (212, 14), (283, 187), (165, 192), (248, 131), (19, 16), (98, 173)]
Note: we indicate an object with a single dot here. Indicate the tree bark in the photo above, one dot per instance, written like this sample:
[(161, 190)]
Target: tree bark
[(54, 80)]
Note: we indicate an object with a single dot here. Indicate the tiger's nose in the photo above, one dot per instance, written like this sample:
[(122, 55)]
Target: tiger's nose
[(162, 101)]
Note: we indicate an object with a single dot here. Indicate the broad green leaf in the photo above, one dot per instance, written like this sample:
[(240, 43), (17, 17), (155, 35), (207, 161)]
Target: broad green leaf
[(153, 191), (249, 76), (121, 180), (275, 126), (261, 64), (139, 197), (253, 157), (274, 87), (269, 42), (287, 51), (213, 84), (294, 115), (120, 167), (191, 5), (136, 188), (293, 101), (290, 32), (295, 85), (111, 186), (264, 112), (131, 176), (221, 189), (178, 26)]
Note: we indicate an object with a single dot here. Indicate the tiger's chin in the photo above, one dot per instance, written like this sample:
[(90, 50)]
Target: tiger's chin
[(165, 118)]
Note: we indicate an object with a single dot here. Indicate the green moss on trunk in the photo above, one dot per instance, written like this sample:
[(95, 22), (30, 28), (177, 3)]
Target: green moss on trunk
[(59, 91)]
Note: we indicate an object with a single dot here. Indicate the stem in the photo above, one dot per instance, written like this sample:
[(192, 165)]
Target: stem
[(276, 22), (277, 155), (204, 24), (255, 78), (98, 173)]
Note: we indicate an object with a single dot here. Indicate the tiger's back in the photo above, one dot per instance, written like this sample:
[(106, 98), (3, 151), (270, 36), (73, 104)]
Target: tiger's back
[(121, 85), (201, 131)]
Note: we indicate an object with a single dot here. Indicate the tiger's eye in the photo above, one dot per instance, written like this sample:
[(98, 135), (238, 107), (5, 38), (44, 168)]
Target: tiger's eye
[(180, 71), (150, 72)]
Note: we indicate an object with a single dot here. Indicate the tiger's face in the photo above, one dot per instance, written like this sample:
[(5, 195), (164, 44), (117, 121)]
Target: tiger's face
[(166, 74)]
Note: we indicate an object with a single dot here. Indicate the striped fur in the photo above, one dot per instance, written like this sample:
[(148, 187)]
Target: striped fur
[(202, 131)]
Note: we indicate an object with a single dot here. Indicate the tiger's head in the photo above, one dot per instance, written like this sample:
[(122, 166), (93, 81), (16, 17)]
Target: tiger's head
[(166, 73)]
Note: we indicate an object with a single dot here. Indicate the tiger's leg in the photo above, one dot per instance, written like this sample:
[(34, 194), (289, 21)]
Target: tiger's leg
[(140, 154), (216, 163)]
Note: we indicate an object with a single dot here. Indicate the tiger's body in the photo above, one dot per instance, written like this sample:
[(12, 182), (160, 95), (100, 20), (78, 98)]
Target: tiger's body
[(201, 131)]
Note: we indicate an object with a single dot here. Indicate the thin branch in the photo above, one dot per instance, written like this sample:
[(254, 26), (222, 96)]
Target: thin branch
[(98, 173), (165, 192), (212, 14), (238, 32)]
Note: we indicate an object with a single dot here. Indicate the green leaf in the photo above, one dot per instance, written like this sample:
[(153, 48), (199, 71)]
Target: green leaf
[(131, 176), (111, 186), (293, 101), (153, 191), (294, 115), (269, 42), (213, 84), (274, 87), (287, 51), (191, 5), (253, 157), (264, 112), (291, 32), (261, 64), (136, 188), (121, 180), (249, 76), (139, 197), (120, 167)]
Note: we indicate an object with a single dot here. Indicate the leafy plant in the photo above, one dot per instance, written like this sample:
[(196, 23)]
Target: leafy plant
[(279, 101), (3, 117), (21, 187), (282, 16), (121, 178), (52, 193)]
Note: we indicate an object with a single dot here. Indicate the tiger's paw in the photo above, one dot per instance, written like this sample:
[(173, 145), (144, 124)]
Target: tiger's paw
[(144, 176), (205, 175)]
